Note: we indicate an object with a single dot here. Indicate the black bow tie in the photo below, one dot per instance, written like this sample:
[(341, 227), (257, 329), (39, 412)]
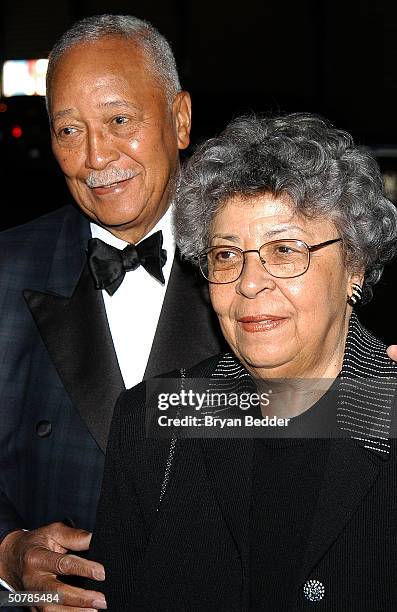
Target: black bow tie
[(108, 265)]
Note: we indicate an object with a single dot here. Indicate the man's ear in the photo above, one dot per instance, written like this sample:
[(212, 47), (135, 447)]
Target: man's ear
[(182, 112)]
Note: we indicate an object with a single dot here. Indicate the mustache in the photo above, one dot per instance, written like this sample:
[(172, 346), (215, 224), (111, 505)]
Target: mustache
[(101, 178)]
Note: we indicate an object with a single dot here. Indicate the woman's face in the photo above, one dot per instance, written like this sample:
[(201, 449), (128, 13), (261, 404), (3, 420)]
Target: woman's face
[(282, 327)]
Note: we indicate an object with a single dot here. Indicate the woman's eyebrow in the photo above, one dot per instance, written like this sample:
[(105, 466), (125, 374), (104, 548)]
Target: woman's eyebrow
[(268, 234), (283, 228), (229, 237)]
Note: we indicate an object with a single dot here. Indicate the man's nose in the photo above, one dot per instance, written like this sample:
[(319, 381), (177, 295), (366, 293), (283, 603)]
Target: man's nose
[(100, 150), (254, 277)]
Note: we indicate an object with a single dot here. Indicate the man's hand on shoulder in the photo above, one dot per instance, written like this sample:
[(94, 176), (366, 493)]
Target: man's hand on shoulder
[(33, 560), (392, 352)]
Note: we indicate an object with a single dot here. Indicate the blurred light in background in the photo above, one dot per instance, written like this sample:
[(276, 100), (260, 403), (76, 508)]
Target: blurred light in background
[(16, 131), (387, 160), (390, 180), (24, 77)]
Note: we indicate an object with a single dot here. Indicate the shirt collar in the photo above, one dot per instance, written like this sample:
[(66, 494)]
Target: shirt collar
[(165, 225)]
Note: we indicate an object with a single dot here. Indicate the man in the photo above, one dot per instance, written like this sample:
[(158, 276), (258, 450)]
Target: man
[(118, 118)]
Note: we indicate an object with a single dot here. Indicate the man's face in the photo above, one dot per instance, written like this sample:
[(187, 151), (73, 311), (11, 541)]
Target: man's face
[(115, 136)]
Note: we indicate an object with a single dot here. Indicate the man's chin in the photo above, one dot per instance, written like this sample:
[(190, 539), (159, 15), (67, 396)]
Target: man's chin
[(111, 219), (121, 224)]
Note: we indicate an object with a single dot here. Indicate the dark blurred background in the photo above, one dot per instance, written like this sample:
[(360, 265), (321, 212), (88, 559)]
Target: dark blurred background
[(333, 57)]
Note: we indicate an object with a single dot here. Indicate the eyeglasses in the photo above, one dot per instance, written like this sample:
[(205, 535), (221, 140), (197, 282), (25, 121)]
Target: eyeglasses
[(280, 258)]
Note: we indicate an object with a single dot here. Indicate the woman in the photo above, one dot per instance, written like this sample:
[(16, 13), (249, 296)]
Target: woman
[(287, 221)]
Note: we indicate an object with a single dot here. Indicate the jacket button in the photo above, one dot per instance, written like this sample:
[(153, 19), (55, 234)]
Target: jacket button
[(313, 590), (43, 429)]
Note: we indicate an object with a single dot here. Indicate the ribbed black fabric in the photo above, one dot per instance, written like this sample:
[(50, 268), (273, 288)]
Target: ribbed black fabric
[(279, 529)]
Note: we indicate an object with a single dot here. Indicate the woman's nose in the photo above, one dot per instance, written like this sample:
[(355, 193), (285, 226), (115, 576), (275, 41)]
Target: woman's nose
[(254, 277)]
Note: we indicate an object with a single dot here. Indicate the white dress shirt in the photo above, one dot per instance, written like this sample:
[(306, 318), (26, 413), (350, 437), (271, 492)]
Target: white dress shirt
[(134, 309)]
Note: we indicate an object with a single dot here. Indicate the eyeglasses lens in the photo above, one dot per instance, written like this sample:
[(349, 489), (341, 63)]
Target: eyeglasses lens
[(285, 258), (281, 258)]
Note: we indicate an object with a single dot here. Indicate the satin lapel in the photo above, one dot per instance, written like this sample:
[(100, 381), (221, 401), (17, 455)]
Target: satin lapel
[(187, 331), (229, 469), (351, 471), (76, 334)]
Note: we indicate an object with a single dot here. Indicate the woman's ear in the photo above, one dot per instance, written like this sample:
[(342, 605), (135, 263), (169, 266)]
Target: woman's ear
[(355, 288)]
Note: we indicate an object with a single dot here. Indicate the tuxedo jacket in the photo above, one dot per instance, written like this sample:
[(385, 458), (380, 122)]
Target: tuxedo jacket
[(187, 548), (59, 375)]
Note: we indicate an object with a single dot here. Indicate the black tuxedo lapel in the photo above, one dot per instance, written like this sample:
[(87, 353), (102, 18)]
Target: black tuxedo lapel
[(187, 331), (71, 319), (77, 337)]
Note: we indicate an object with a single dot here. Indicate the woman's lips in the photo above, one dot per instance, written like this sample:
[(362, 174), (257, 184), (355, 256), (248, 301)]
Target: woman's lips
[(260, 323)]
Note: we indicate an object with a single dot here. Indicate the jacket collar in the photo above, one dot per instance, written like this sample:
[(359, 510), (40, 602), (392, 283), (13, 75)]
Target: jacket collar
[(367, 391)]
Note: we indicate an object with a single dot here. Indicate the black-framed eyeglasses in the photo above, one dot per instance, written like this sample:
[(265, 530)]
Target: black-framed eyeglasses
[(281, 258)]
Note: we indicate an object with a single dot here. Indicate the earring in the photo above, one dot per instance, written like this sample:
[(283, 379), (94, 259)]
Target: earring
[(356, 296)]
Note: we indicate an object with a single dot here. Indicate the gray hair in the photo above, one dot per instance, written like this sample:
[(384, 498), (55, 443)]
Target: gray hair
[(152, 43), (300, 155)]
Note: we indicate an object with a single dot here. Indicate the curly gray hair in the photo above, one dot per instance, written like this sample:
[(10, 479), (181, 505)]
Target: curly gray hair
[(156, 48), (300, 155)]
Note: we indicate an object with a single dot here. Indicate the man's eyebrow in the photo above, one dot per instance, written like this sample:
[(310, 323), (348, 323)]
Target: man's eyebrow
[(118, 104), (110, 104), (62, 113)]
